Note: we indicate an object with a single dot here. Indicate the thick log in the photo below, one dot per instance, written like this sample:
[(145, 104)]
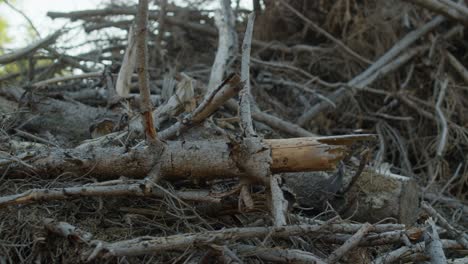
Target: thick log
[(375, 194), (195, 159), (379, 194)]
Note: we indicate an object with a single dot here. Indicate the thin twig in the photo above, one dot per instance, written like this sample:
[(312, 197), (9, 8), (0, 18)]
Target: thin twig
[(349, 244), (442, 119), (452, 232), (279, 205), (320, 30), (137, 188), (21, 53), (361, 79)]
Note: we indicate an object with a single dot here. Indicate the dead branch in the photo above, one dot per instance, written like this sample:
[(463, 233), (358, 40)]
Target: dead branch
[(417, 248), (212, 101), (216, 158), (452, 232), (67, 230), (273, 121), (227, 43), (135, 188), (21, 53), (434, 247), (279, 205), (349, 244), (151, 245), (246, 94), (122, 86), (323, 32), (462, 71), (442, 119), (143, 79), (451, 10), (279, 255), (44, 83), (362, 79)]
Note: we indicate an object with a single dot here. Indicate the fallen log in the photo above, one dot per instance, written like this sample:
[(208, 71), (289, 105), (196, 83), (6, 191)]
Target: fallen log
[(195, 160)]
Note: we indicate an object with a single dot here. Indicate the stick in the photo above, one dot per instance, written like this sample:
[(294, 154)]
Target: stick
[(143, 79), (442, 119), (393, 256), (138, 188), (20, 53), (194, 159), (358, 81), (245, 94), (44, 83), (351, 243), (152, 245), (227, 43), (279, 205), (212, 101), (124, 78), (320, 30), (279, 255), (459, 13), (452, 232), (273, 121), (456, 64), (434, 247)]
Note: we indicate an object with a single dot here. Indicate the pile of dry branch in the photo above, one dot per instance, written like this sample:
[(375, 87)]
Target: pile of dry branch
[(300, 132)]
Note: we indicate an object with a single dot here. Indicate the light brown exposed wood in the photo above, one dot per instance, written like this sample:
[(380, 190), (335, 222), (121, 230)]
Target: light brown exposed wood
[(304, 154), (310, 153)]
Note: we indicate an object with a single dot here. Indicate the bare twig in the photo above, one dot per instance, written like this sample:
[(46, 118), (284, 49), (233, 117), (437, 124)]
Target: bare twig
[(446, 8), (273, 121), (123, 83), (458, 66), (320, 30), (67, 78), (350, 243), (21, 53), (452, 232), (362, 79), (442, 119), (227, 43), (146, 245), (447, 201), (279, 205), (212, 101), (135, 188), (279, 255), (419, 247)]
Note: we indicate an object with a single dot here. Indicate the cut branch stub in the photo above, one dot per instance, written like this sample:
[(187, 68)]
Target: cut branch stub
[(304, 154)]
